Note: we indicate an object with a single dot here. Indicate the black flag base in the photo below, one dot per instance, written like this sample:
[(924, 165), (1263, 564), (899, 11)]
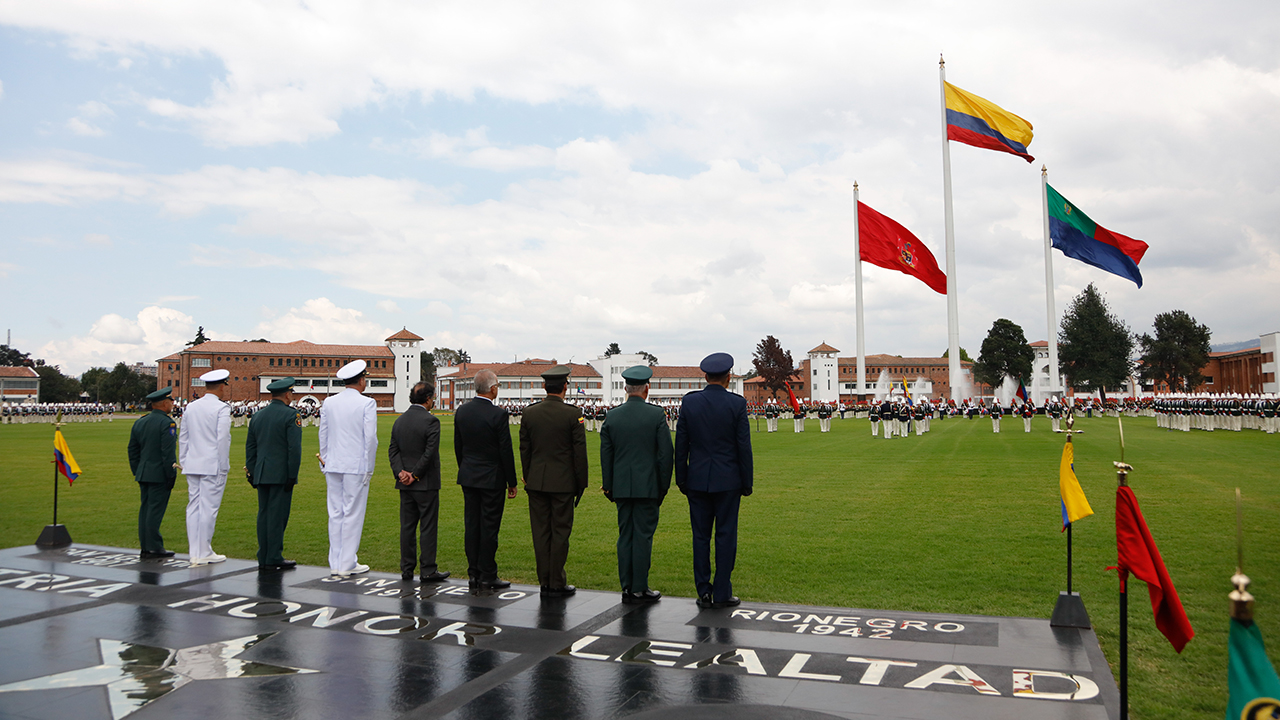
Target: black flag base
[(1070, 612), (54, 536)]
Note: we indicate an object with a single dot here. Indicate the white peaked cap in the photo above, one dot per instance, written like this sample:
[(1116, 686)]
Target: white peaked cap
[(215, 376), (352, 369)]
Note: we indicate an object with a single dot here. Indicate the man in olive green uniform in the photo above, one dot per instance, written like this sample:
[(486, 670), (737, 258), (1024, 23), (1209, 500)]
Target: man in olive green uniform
[(153, 460), (272, 456), (636, 461), (553, 460)]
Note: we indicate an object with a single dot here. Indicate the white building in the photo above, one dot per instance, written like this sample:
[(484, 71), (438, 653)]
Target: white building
[(824, 374)]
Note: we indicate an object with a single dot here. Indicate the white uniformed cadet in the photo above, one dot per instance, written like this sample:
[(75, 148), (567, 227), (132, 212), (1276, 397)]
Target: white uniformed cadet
[(348, 450), (204, 452)]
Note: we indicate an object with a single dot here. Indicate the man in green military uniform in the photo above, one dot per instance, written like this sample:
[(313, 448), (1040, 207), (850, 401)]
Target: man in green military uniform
[(153, 460), (636, 461), (272, 456), (553, 460)]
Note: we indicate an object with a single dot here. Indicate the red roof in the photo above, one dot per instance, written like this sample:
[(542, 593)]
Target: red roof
[(18, 371), (824, 348), (290, 349), (404, 335)]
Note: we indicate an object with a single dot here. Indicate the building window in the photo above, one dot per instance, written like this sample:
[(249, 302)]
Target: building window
[(197, 382), (271, 362), (377, 383), (1208, 380), (201, 362)]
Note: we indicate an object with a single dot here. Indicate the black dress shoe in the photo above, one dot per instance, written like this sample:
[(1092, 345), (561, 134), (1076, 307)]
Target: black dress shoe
[(500, 584), (473, 584), (436, 577), (282, 565), (731, 602), (565, 591), (648, 596), (156, 555), (704, 602), (407, 576)]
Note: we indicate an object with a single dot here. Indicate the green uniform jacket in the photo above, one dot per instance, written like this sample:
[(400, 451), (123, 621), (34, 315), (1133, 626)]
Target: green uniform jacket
[(554, 429), (636, 455), (273, 452), (153, 443)]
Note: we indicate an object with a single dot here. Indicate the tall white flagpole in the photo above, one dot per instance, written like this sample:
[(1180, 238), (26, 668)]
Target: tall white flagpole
[(1050, 311), (953, 311), (857, 289)]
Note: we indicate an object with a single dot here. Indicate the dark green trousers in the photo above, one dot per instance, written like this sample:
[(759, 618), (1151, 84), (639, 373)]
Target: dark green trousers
[(274, 502), (637, 521), (155, 500)]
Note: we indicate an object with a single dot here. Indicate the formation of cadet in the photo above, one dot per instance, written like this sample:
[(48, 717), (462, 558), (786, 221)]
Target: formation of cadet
[(27, 413), (1209, 412)]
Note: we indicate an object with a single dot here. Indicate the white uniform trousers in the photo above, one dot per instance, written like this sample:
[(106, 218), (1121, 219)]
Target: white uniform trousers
[(1026, 424), (348, 494), (204, 496)]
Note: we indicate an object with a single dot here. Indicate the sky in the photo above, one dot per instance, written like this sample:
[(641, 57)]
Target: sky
[(542, 179)]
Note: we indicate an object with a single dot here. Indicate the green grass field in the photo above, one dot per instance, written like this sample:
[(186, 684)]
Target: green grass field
[(960, 520)]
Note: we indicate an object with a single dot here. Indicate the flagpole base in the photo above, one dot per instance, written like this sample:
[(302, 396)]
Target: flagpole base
[(54, 536), (1070, 612)]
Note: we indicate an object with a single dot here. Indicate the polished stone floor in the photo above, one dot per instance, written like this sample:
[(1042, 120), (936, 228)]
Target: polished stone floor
[(92, 632)]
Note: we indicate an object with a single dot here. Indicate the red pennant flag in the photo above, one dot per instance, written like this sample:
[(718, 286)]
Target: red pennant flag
[(795, 404), (885, 243), (1137, 553)]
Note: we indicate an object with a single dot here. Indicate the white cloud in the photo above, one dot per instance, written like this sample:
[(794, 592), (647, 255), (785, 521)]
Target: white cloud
[(388, 306), (321, 321), (97, 240), (153, 333), (81, 124), (474, 149)]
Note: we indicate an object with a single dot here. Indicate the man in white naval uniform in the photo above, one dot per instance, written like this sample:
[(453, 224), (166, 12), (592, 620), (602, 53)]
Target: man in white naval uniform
[(348, 449), (204, 452)]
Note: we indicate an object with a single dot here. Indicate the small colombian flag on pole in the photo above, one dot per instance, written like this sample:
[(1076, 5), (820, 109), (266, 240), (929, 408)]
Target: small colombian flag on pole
[(1074, 504), (62, 457)]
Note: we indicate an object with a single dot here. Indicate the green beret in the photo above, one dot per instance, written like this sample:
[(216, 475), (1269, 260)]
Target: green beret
[(159, 394), (637, 374), (557, 373), (280, 385)]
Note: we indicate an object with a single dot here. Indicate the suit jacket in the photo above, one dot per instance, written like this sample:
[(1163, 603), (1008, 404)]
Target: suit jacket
[(415, 446), (553, 447), (713, 442), (204, 440), (273, 450), (349, 433), (636, 456), (152, 448), (482, 446)]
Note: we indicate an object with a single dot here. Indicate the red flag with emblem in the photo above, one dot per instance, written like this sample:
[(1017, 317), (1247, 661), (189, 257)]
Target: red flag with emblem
[(1139, 555), (885, 243), (795, 404)]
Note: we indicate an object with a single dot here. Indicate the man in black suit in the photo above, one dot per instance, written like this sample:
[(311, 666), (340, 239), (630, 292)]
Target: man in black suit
[(714, 469), (415, 462), (486, 466)]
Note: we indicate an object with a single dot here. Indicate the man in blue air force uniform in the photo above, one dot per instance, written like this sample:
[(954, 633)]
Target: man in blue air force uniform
[(714, 469)]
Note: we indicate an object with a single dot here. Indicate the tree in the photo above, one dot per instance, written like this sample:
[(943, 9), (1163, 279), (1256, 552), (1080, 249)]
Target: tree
[(964, 355), (56, 387), (12, 357), (649, 358), (1177, 353), (428, 369), (463, 356), (1004, 352), (1094, 346), (445, 357), (773, 364), (199, 339), (120, 384), (612, 350)]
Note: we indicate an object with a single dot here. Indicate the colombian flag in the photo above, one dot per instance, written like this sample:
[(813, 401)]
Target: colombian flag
[(980, 123), (63, 459), (1079, 237), (1074, 504)]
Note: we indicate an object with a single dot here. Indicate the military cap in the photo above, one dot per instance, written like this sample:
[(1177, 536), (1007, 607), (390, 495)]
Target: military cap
[(716, 363), (280, 385), (637, 374), (161, 394), (215, 376), (557, 373), (353, 369)]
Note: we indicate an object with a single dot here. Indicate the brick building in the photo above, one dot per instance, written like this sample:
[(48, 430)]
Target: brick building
[(822, 363), (19, 384), (393, 368)]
